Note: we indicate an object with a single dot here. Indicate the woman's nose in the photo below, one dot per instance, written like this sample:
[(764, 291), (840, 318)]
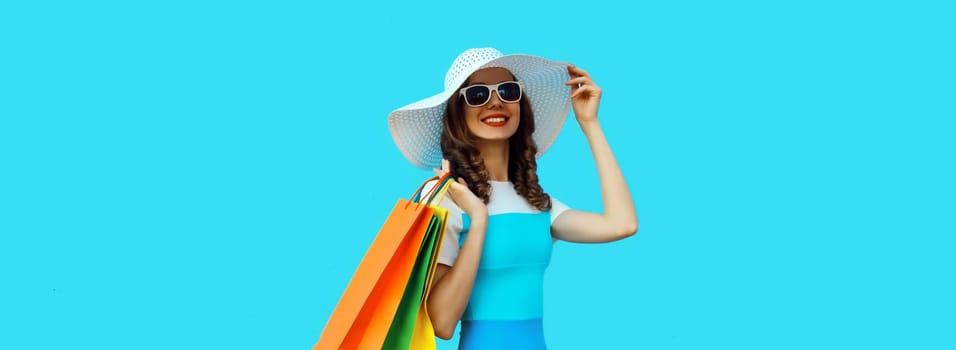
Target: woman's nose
[(494, 101)]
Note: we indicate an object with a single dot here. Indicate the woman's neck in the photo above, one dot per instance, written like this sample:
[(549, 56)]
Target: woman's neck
[(495, 156)]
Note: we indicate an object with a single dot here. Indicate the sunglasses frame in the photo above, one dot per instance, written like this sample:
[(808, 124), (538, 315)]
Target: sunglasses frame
[(492, 88)]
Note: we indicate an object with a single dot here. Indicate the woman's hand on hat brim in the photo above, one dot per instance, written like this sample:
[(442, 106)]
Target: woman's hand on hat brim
[(585, 94)]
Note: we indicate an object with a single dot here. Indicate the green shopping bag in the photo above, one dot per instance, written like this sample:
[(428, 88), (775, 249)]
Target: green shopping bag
[(409, 312)]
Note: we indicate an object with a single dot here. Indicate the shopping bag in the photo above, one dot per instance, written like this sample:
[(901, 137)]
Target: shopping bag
[(403, 325), (363, 316), (423, 336), (411, 321)]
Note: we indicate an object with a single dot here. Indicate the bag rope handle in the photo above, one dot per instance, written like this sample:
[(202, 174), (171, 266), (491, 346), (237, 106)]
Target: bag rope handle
[(422, 186), (442, 191)]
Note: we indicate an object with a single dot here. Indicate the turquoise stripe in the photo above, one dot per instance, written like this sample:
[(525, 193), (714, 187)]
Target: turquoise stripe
[(510, 280), (507, 294)]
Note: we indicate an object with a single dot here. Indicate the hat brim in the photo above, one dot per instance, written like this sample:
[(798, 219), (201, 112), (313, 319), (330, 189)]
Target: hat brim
[(416, 127)]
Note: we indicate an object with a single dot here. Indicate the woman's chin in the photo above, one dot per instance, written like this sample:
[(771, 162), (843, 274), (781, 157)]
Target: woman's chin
[(495, 133), (494, 136)]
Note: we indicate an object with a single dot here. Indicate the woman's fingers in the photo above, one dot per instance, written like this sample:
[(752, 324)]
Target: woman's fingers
[(455, 185), (579, 81), (578, 86), (445, 168), (576, 72), (579, 77), (585, 90)]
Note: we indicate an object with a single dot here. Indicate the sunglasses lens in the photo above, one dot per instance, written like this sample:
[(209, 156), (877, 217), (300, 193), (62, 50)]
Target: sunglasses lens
[(477, 95), (509, 92)]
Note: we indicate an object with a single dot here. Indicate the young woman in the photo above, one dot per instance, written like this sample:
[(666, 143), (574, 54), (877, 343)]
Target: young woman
[(496, 116)]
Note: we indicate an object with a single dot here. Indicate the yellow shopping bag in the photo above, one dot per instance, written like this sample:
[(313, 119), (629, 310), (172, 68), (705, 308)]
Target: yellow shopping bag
[(412, 328)]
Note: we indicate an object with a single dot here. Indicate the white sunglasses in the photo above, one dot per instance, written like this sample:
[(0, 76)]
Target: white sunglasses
[(479, 94)]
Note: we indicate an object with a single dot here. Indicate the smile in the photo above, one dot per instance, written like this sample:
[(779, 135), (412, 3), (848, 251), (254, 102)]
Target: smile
[(496, 120)]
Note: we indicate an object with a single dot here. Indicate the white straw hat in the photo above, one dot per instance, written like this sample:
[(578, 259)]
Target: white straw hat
[(416, 128)]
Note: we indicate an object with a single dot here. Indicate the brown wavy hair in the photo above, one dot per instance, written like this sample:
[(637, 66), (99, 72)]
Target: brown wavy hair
[(460, 147)]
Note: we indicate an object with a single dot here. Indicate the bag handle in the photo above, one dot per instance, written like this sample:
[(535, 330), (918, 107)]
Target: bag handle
[(443, 188), (436, 189), (430, 192)]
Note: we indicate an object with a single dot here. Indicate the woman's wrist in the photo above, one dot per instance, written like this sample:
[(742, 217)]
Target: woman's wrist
[(478, 226), (589, 127), (479, 215), (588, 121)]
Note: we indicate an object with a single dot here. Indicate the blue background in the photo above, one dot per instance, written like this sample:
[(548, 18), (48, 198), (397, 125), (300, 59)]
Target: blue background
[(208, 175)]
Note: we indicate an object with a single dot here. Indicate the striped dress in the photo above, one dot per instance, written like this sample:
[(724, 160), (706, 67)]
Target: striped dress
[(506, 305)]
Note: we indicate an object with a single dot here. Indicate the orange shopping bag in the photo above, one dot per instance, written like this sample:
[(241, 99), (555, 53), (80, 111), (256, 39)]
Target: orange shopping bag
[(412, 328), (362, 318)]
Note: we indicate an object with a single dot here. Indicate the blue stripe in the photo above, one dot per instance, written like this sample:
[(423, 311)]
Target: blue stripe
[(502, 335)]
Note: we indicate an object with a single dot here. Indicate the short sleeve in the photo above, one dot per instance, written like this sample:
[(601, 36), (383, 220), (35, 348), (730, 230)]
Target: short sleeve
[(449, 243), (453, 227), (557, 207)]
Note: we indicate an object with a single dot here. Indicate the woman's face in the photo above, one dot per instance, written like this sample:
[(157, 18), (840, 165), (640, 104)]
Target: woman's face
[(495, 120)]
